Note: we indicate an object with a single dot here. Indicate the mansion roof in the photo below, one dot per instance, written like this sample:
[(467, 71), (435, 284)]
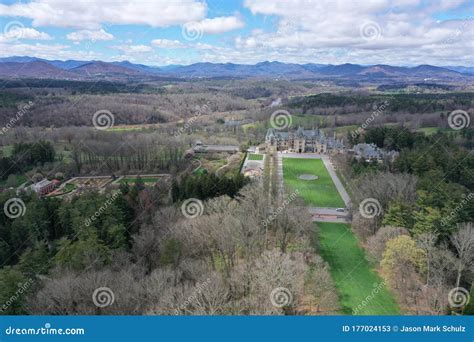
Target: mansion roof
[(301, 133)]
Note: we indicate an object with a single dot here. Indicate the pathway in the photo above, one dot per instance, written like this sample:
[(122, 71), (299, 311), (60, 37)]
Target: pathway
[(340, 188), (279, 174), (329, 215)]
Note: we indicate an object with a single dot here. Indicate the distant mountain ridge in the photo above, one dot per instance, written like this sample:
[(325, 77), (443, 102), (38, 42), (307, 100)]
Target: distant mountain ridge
[(24, 66)]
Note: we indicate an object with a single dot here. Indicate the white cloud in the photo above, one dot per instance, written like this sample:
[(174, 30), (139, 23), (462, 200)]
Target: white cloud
[(220, 24), (14, 32), (47, 51), (133, 49), (91, 15), (89, 35), (338, 31), (168, 44)]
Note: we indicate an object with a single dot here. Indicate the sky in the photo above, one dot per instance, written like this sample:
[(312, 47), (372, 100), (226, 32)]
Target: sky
[(166, 32)]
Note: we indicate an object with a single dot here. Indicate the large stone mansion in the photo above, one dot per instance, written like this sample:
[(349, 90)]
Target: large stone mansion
[(302, 141)]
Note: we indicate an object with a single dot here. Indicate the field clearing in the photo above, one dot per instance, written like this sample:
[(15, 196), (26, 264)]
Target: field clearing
[(254, 156), (433, 130), (125, 128), (353, 275), (147, 179), (320, 192), (93, 182)]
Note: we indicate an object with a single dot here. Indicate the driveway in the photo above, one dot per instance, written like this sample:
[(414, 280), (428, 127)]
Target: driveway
[(328, 215)]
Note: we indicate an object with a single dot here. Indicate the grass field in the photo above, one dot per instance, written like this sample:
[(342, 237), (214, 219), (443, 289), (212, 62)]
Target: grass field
[(353, 276), (134, 179), (254, 156), (320, 192), (433, 130)]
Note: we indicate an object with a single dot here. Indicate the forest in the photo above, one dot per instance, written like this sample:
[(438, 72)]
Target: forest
[(206, 234), (422, 236)]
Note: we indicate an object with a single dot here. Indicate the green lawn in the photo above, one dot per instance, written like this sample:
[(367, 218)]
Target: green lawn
[(254, 156), (353, 276), (320, 192), (134, 179), (433, 130)]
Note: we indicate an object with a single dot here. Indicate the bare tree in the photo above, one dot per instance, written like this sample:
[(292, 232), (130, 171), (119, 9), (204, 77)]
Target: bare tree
[(427, 242), (273, 274), (463, 241), (84, 293)]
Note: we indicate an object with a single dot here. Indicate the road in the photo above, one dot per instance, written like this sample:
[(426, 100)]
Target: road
[(329, 215)]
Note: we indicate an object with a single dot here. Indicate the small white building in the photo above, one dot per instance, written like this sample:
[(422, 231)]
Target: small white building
[(43, 187)]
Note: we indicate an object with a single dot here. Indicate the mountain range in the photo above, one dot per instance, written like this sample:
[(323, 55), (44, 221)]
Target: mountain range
[(31, 67)]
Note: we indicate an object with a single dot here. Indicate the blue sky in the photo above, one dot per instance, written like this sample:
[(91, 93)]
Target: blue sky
[(159, 32)]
